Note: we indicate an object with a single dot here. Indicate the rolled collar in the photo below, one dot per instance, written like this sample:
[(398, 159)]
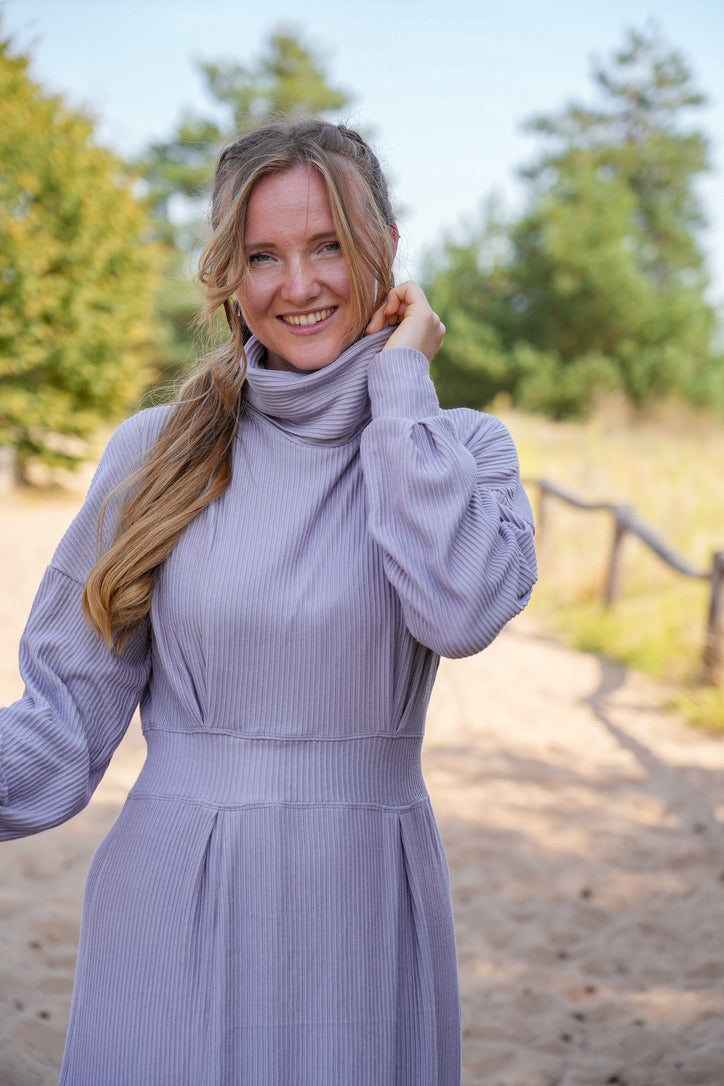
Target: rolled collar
[(328, 406)]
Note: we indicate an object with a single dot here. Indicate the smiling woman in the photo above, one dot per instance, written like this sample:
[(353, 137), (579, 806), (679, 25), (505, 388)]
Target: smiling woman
[(295, 294), (305, 533)]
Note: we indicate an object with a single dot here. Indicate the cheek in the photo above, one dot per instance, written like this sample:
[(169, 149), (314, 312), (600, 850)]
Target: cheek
[(252, 298), (342, 287)]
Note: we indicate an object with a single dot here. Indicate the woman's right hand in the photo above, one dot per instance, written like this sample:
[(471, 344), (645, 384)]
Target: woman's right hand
[(417, 324)]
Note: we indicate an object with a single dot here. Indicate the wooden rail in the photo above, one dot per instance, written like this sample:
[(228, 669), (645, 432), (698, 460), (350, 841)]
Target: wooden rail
[(627, 521)]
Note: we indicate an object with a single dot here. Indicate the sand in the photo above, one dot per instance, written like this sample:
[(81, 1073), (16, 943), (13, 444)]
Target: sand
[(584, 831)]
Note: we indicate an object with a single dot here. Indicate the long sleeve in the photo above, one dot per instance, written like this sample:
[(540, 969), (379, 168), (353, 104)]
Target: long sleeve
[(447, 508), (57, 740)]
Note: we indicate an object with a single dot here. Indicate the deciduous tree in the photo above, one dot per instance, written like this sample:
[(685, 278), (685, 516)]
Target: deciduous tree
[(77, 273)]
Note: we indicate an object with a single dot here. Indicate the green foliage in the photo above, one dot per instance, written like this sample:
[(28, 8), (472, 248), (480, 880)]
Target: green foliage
[(77, 274), (600, 283)]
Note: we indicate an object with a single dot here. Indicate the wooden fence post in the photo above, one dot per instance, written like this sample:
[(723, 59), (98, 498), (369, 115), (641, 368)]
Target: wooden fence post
[(713, 654), (613, 580)]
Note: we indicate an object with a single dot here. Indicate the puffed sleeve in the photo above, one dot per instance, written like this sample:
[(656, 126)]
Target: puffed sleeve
[(446, 507), (57, 740)]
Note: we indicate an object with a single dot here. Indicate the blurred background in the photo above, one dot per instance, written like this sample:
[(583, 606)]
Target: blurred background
[(558, 172)]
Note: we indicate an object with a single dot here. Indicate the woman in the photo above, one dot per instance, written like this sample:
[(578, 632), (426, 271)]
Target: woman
[(284, 555)]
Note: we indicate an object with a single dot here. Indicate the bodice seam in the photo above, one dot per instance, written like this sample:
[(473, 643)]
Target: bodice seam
[(273, 805), (148, 728)]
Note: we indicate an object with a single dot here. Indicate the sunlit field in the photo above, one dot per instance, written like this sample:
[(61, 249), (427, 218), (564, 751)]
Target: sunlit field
[(668, 465)]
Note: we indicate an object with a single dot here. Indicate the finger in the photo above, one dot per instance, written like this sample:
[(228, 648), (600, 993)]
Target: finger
[(377, 323), (386, 315)]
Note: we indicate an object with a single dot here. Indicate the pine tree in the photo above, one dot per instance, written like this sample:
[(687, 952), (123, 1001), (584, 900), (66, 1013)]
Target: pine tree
[(603, 280), (286, 82)]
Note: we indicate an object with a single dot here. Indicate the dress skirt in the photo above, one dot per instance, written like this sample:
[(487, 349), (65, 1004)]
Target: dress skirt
[(269, 913)]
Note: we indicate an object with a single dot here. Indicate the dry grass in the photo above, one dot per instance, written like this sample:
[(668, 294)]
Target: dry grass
[(668, 464)]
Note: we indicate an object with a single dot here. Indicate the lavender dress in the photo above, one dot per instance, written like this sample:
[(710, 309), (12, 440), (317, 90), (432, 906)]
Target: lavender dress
[(271, 907)]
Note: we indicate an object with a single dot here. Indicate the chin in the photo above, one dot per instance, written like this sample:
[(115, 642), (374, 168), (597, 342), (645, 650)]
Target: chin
[(309, 360)]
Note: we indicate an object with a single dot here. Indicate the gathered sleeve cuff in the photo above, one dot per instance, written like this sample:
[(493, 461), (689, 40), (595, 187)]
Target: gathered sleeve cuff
[(447, 508)]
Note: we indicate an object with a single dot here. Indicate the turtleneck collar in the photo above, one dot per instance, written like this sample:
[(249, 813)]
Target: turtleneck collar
[(326, 407)]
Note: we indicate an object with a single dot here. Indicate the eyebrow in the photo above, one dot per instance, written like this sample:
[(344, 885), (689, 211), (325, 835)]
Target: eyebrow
[(270, 244)]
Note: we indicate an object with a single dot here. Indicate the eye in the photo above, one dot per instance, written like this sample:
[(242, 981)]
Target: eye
[(259, 258), (331, 246)]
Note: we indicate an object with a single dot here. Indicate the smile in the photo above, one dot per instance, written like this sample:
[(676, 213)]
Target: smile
[(304, 320)]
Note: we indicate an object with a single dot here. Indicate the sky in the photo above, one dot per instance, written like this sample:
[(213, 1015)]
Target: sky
[(444, 87)]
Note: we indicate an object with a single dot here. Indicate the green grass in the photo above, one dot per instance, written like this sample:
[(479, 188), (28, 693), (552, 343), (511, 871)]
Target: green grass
[(667, 464)]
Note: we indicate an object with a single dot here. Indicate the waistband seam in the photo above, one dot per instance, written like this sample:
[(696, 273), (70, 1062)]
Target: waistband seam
[(272, 805), (152, 729)]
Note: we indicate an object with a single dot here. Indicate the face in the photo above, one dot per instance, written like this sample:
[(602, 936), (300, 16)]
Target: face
[(296, 293)]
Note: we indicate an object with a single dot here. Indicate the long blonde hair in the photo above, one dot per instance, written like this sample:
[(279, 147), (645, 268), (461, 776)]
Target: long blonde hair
[(190, 464)]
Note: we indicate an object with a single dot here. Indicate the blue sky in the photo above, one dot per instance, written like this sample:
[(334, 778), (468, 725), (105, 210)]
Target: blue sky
[(445, 86)]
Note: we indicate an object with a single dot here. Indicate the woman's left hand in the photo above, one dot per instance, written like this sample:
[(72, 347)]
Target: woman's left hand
[(417, 326)]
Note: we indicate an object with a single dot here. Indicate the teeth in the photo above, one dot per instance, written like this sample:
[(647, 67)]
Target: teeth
[(305, 319)]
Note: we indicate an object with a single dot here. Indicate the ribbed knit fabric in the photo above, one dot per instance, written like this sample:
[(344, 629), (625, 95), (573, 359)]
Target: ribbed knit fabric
[(272, 906)]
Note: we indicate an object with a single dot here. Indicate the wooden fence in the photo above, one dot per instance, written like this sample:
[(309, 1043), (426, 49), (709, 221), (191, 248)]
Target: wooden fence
[(627, 521)]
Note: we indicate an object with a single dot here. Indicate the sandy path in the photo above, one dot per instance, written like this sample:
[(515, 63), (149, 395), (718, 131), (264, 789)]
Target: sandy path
[(586, 847)]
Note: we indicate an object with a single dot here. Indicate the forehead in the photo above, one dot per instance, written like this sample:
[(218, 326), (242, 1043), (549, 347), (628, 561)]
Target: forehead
[(288, 203)]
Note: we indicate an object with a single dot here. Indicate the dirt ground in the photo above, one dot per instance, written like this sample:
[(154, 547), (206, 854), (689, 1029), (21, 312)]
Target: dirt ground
[(584, 831)]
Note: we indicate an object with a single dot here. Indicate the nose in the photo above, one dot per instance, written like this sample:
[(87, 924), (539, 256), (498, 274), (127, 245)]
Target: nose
[(301, 284)]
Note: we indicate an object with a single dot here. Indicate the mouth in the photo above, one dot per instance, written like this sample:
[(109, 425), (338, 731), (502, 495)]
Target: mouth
[(307, 320)]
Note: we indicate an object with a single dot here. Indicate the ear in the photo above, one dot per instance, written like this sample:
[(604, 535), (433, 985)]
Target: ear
[(395, 237)]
